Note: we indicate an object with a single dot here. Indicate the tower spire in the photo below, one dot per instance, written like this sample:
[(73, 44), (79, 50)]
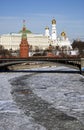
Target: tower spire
[(24, 35), (24, 24)]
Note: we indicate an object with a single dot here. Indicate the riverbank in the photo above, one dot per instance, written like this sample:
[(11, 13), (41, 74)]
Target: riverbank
[(32, 65)]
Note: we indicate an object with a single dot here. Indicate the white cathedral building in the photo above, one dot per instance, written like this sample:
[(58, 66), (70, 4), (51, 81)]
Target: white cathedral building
[(40, 41), (61, 41)]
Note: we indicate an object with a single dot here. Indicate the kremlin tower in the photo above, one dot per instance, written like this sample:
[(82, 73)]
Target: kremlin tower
[(24, 46), (54, 32)]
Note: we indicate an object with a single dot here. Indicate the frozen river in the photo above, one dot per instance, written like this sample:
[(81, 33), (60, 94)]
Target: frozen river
[(36, 101)]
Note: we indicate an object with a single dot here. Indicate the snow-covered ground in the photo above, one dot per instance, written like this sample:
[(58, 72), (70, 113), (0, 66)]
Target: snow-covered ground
[(64, 92)]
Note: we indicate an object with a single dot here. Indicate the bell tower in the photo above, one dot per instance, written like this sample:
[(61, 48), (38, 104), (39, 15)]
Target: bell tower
[(24, 46), (54, 33)]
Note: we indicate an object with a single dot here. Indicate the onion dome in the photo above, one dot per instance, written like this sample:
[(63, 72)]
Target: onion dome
[(63, 34), (46, 28), (53, 21)]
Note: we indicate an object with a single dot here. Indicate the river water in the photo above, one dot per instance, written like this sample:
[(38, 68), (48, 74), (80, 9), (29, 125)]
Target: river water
[(42, 101)]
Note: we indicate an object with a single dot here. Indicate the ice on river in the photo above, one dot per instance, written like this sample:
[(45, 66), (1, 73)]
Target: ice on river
[(11, 117), (64, 92)]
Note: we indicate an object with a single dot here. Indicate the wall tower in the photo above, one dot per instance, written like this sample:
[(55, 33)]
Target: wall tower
[(24, 46)]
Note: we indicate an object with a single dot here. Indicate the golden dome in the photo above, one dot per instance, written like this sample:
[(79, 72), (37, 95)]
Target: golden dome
[(53, 21), (63, 34), (46, 28)]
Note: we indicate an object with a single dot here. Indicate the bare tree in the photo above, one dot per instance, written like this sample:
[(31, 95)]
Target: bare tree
[(4, 52), (78, 45)]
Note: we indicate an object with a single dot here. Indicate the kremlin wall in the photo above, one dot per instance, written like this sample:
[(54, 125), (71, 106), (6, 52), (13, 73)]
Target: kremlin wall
[(36, 41)]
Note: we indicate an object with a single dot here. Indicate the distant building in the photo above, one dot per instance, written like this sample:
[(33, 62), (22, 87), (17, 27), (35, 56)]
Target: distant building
[(12, 41), (40, 41), (61, 41)]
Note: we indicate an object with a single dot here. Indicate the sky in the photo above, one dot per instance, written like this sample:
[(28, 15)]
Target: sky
[(38, 14)]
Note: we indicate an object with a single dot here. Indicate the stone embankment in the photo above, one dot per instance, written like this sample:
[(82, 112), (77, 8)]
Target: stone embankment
[(32, 65)]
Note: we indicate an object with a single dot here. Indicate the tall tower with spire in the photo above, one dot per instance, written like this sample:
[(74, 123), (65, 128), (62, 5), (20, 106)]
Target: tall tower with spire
[(54, 32), (24, 46)]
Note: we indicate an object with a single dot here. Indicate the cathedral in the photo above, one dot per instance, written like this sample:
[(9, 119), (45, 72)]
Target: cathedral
[(54, 40), (36, 41)]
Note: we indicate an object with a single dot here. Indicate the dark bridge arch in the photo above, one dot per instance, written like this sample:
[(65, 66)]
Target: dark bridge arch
[(5, 63)]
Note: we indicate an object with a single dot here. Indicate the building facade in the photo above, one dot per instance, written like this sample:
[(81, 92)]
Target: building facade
[(40, 41)]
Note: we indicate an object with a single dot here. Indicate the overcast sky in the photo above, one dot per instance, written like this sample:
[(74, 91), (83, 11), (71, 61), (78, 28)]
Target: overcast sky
[(69, 15)]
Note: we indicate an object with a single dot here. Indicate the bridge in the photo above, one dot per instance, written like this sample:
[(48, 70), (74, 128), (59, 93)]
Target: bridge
[(78, 62)]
